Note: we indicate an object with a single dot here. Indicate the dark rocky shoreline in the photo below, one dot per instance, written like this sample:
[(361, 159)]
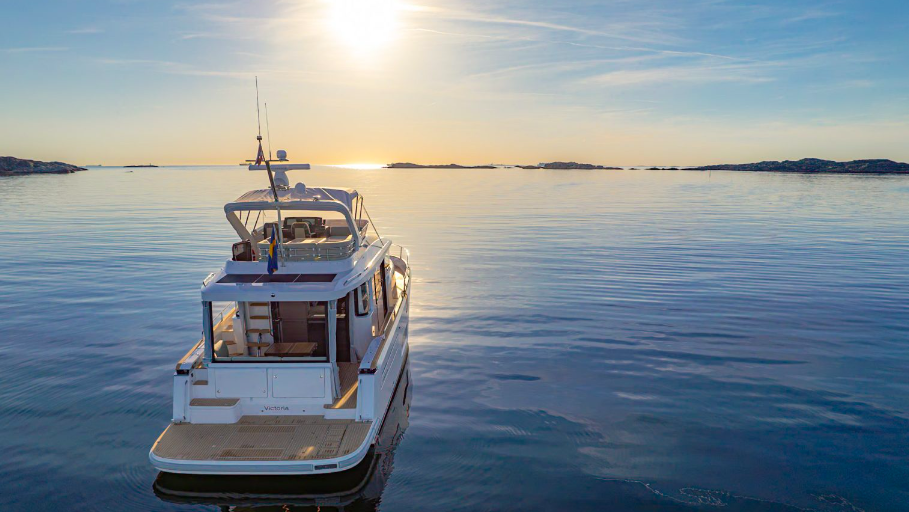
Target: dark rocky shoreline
[(814, 166), (11, 166)]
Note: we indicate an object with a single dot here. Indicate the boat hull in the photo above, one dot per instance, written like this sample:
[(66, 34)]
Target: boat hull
[(385, 377)]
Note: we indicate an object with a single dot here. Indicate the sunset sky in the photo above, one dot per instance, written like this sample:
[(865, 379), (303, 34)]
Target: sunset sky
[(624, 82)]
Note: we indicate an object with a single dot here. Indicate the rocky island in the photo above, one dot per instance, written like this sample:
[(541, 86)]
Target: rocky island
[(408, 165), (566, 165), (11, 166), (815, 165)]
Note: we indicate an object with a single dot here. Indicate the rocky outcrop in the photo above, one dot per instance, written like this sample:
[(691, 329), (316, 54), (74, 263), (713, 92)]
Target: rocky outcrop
[(10, 166), (815, 165), (566, 165)]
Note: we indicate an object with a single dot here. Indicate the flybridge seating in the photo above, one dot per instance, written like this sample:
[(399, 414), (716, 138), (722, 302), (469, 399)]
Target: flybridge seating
[(315, 223), (310, 238)]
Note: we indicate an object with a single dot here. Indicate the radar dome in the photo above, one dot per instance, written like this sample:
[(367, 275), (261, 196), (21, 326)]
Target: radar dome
[(282, 155)]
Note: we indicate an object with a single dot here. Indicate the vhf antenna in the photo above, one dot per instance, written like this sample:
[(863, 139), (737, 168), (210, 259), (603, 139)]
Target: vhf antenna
[(271, 177), (267, 130), (258, 116)]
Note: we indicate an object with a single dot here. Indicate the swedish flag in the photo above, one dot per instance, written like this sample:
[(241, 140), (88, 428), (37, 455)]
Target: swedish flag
[(272, 253)]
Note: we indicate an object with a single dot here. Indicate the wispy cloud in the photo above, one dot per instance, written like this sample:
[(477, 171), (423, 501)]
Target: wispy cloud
[(698, 74), (34, 49), (186, 69), (649, 32), (85, 31), (810, 15)]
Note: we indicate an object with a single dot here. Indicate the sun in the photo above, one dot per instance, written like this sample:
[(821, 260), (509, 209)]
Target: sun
[(363, 25)]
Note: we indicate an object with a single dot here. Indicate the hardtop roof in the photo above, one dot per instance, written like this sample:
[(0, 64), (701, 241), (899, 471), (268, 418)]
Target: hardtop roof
[(345, 196)]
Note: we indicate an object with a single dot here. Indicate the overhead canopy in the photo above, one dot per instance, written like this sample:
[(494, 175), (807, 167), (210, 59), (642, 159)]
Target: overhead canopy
[(341, 200), (345, 196)]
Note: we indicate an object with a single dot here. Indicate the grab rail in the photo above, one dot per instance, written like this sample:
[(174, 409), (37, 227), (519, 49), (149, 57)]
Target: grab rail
[(185, 364)]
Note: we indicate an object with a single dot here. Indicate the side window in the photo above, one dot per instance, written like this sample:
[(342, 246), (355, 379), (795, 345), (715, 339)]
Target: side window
[(377, 287), (362, 300)]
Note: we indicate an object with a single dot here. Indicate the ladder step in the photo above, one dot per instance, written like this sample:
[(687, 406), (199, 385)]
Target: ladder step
[(258, 317), (258, 304), (259, 331), (200, 383), (229, 342)]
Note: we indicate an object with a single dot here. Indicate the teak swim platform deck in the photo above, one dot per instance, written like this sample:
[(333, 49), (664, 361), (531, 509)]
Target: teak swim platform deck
[(275, 438)]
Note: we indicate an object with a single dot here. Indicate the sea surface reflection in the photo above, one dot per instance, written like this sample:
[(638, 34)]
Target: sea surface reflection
[(583, 340)]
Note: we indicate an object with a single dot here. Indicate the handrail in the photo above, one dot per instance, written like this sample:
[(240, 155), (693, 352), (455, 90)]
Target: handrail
[(183, 366), (381, 253)]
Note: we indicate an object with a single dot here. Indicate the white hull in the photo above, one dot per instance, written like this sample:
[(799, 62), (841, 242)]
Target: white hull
[(298, 361), (374, 391)]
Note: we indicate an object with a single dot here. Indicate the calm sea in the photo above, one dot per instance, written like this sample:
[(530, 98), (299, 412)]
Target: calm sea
[(580, 340)]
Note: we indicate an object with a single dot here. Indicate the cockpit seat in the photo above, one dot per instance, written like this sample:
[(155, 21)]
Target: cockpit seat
[(337, 231), (221, 349), (268, 228), (301, 230)]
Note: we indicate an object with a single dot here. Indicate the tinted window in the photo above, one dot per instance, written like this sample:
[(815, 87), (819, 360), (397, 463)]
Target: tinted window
[(362, 300)]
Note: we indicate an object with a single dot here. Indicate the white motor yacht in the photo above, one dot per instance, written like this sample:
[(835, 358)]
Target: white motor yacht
[(297, 365)]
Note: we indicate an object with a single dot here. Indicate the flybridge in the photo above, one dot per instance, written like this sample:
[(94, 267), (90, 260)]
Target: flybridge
[(311, 223)]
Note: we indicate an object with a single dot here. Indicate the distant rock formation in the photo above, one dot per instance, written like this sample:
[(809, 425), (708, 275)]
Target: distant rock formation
[(10, 166), (815, 165), (140, 165), (566, 165), (409, 165)]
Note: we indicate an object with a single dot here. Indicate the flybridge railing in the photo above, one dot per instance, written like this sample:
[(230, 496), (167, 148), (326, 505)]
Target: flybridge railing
[(311, 251), (403, 254)]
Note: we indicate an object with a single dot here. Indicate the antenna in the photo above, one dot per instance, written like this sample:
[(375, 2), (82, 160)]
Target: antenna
[(271, 178), (258, 117), (267, 130)]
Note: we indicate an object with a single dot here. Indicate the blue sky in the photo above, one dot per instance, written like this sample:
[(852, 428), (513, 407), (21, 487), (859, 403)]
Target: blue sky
[(625, 82)]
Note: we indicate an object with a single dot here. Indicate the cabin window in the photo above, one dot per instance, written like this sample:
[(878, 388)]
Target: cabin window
[(378, 287), (362, 300), (390, 284)]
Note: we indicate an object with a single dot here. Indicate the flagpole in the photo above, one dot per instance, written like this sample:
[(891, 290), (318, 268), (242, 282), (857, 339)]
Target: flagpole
[(274, 191)]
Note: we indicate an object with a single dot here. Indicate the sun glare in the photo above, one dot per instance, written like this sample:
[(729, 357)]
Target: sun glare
[(364, 25)]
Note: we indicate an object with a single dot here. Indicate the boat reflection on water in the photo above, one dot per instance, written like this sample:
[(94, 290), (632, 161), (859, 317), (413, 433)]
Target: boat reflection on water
[(359, 488)]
